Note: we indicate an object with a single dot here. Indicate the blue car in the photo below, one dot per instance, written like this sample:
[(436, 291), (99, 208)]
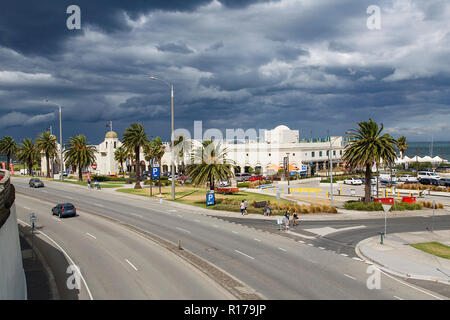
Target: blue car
[(64, 209)]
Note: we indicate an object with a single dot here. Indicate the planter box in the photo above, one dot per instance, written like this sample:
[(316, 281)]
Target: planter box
[(384, 200), (409, 199)]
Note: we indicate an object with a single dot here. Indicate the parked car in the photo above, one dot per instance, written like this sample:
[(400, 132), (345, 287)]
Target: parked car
[(64, 209), (444, 182), (427, 174), (224, 183), (429, 181), (36, 183), (387, 183), (242, 177), (386, 176), (407, 178), (354, 181)]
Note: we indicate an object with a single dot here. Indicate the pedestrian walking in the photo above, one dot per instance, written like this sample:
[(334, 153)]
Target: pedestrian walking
[(287, 216), (89, 183), (242, 207), (294, 218), (268, 208), (245, 206)]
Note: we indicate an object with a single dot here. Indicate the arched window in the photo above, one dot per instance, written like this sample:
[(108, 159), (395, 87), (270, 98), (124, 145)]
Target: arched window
[(114, 144)]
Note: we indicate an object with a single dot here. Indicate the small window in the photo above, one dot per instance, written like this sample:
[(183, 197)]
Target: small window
[(247, 154), (328, 153), (313, 154), (114, 144), (293, 154), (106, 144), (320, 153), (269, 154), (340, 152), (334, 152)]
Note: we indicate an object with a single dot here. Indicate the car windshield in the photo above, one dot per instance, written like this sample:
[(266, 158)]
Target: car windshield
[(68, 206)]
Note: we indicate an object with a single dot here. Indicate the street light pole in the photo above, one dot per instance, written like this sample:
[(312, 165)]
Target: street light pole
[(331, 173), (172, 134), (61, 164)]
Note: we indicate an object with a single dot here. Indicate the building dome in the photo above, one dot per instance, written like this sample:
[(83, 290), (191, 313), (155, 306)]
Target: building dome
[(111, 134), (281, 128)]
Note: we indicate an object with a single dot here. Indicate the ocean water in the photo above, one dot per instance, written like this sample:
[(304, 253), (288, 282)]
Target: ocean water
[(440, 148)]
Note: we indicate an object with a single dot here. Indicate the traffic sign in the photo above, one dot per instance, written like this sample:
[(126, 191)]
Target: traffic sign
[(210, 199), (386, 207), (32, 217), (304, 167), (155, 172)]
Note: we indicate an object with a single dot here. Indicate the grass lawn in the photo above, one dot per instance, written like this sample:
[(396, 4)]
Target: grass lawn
[(84, 183), (434, 248), (197, 197)]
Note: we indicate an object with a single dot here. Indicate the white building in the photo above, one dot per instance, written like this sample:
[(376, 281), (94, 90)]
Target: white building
[(266, 156)]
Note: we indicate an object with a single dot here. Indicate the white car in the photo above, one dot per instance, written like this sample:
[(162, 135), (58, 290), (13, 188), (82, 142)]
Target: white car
[(427, 174), (407, 178), (353, 181)]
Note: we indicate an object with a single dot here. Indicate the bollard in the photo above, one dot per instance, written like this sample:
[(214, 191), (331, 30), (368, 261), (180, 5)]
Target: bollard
[(179, 245), (326, 193), (381, 234), (317, 194), (410, 194)]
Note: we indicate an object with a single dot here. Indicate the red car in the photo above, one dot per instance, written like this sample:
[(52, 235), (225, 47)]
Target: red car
[(256, 178)]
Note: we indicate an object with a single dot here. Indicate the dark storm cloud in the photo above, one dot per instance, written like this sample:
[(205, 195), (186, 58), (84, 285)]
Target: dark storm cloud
[(312, 65)]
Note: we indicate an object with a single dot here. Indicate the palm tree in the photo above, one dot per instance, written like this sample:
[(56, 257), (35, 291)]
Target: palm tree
[(134, 138), (121, 155), (210, 164), (181, 146), (79, 154), (369, 146), (28, 153), (9, 147), (402, 145), (46, 143)]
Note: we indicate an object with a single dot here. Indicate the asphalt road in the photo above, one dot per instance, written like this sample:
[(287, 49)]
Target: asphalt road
[(276, 267), (115, 262)]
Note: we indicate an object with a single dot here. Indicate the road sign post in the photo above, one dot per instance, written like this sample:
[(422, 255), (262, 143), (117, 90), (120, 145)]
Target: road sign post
[(32, 220), (434, 206), (210, 198), (386, 208), (278, 200)]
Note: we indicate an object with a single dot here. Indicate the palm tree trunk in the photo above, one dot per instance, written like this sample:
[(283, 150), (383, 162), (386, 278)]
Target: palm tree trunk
[(138, 183), (47, 160), (368, 184), (8, 160), (211, 183), (80, 173), (30, 168)]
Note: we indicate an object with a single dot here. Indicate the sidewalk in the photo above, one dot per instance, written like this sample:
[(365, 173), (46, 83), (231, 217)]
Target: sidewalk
[(398, 257)]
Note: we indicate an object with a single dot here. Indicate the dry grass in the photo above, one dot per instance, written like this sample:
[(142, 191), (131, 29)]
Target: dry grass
[(429, 204), (423, 187)]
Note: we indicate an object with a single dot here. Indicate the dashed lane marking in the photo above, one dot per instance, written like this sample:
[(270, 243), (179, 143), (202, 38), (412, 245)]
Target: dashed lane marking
[(90, 235), (283, 249), (131, 265), (244, 254), (349, 276), (184, 230)]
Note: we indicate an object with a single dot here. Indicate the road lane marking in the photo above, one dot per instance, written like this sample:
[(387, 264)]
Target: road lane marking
[(321, 248), (244, 254), (282, 249), (90, 235), (357, 259), (99, 205), (196, 220), (310, 244), (172, 210), (131, 265), (44, 191), (26, 208), (257, 240), (65, 253), (344, 255), (398, 298), (235, 232), (184, 230), (301, 241), (349, 276)]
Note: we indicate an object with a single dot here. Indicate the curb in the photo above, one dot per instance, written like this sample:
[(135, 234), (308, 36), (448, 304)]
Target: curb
[(381, 266)]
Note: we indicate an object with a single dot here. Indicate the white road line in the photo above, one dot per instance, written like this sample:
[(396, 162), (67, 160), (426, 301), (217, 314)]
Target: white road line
[(184, 230), (26, 208), (99, 205), (349, 276), (235, 232), (131, 265), (244, 254), (310, 244), (321, 248), (301, 241), (67, 256), (408, 285), (282, 249), (90, 235), (172, 210), (70, 198), (196, 220), (357, 259), (398, 298), (44, 191), (257, 240), (344, 255), (57, 219)]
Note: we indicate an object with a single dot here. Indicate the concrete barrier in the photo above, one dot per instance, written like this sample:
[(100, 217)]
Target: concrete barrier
[(12, 275)]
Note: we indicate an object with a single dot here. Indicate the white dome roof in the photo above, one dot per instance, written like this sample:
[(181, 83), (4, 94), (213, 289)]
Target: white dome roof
[(281, 128)]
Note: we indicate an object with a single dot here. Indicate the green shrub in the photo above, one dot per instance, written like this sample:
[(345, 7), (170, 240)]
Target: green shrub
[(377, 206), (243, 185), (105, 178)]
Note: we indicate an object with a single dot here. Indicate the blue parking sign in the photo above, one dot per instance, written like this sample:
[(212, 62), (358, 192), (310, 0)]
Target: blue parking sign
[(210, 199), (155, 172)]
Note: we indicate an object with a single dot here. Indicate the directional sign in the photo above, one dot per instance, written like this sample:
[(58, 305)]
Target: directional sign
[(32, 217), (210, 199), (304, 167), (386, 207), (155, 172)]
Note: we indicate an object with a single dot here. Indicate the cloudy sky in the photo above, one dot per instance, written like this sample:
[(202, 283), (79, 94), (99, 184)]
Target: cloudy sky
[(312, 65)]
